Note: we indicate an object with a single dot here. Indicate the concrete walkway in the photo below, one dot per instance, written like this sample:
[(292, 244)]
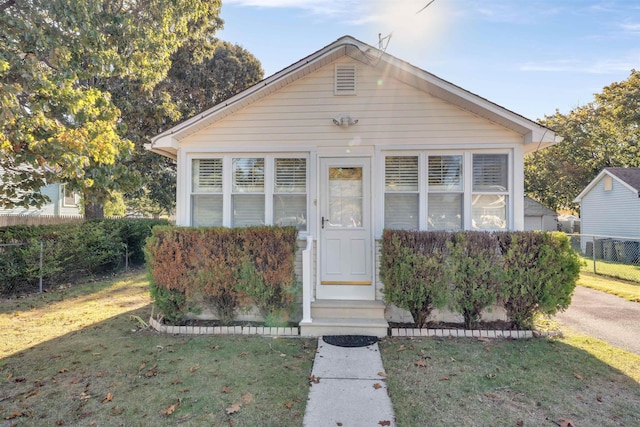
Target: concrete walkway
[(604, 316), (348, 388)]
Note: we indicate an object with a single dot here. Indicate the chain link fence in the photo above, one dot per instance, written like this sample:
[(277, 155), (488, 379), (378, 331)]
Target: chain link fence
[(609, 256)]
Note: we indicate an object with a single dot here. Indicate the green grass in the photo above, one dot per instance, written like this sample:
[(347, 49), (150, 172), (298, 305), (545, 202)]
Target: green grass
[(624, 289), (612, 269), (80, 357), (461, 382)]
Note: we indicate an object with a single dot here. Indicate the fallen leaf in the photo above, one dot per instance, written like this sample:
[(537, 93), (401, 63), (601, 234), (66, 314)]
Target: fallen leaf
[(20, 379), (519, 423), (444, 379), (314, 379), (108, 398), (599, 399), (244, 353), (101, 374), (176, 381), (247, 398), (33, 392), (490, 395), (172, 408), (420, 363), (283, 355), (194, 368), (384, 423), (226, 389), (60, 423), (578, 376), (9, 375), (233, 408), (566, 422), (288, 405), (382, 374), (377, 386), (401, 348), (14, 414)]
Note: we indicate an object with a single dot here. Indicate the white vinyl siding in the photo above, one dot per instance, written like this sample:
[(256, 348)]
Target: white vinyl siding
[(237, 191), (490, 191)]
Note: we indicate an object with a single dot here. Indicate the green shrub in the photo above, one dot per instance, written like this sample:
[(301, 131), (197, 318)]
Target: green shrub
[(477, 273), (71, 251), (413, 271), (229, 269), (541, 271)]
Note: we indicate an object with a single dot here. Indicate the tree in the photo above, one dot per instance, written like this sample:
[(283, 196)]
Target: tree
[(196, 81), (57, 121), (601, 134)]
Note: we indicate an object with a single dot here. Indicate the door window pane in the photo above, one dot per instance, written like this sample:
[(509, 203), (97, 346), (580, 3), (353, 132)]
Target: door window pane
[(345, 197)]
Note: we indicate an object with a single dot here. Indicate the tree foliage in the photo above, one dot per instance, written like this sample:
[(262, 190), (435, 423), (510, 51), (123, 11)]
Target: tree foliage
[(57, 57), (603, 133)]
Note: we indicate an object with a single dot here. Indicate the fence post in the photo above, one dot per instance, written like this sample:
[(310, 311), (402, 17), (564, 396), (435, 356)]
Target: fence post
[(41, 256), (594, 256)]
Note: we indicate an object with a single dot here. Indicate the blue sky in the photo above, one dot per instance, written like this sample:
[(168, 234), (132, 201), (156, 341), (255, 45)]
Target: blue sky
[(530, 56)]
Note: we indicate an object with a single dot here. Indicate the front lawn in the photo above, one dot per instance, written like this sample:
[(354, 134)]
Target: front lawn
[(81, 356)]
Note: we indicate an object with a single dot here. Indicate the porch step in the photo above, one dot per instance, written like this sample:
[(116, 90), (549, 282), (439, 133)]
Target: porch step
[(347, 309), (345, 317), (344, 326)]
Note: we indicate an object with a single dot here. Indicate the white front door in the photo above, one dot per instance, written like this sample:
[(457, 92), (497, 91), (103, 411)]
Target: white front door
[(345, 229)]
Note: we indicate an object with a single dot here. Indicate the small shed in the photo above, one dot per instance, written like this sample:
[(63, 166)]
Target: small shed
[(538, 217)]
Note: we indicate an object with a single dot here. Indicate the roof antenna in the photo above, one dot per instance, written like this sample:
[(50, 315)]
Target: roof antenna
[(381, 41)]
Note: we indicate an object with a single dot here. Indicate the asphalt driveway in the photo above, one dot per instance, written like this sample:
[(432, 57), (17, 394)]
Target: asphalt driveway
[(604, 316)]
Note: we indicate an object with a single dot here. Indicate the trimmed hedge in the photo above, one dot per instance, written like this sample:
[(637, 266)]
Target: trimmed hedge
[(228, 268), (70, 251), (525, 272)]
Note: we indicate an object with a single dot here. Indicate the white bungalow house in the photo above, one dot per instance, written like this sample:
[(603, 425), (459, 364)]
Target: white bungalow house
[(342, 144), (610, 207)]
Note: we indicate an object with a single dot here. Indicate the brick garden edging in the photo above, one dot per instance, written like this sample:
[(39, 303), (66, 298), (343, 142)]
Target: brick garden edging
[(465, 333), (224, 330), (295, 331)]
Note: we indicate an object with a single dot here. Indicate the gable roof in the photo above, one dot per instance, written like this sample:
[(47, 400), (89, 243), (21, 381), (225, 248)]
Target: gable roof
[(535, 208), (536, 136), (628, 177)]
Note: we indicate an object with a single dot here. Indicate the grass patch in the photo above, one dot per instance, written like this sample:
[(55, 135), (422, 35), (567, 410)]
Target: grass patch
[(612, 269), (502, 382), (624, 289), (85, 359)]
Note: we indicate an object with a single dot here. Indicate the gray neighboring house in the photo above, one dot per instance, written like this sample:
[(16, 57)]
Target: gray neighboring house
[(610, 206), (63, 203), (538, 217)]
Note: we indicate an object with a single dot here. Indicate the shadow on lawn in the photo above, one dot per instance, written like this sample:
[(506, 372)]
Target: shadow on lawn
[(115, 372)]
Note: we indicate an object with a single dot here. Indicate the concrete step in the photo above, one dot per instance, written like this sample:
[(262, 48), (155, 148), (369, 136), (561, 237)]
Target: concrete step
[(347, 309), (344, 326)]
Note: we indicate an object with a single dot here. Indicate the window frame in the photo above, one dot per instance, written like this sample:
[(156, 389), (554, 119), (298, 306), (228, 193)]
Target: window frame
[(227, 184), (466, 190)]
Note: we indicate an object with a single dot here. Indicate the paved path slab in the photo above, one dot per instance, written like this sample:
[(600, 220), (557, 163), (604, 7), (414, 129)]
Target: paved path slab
[(350, 391)]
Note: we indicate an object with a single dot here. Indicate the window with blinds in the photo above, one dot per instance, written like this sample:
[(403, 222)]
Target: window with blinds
[(445, 173), (490, 175), (490, 172), (401, 199), (247, 186), (290, 193), (207, 176), (345, 79), (206, 198)]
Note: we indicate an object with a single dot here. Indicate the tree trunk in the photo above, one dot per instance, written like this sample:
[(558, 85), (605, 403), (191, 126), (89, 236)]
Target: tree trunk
[(93, 210)]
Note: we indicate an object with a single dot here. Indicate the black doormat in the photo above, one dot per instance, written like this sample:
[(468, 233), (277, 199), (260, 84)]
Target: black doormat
[(350, 340)]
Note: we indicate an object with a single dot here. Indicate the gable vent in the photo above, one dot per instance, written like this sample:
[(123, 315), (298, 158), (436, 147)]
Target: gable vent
[(345, 80)]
